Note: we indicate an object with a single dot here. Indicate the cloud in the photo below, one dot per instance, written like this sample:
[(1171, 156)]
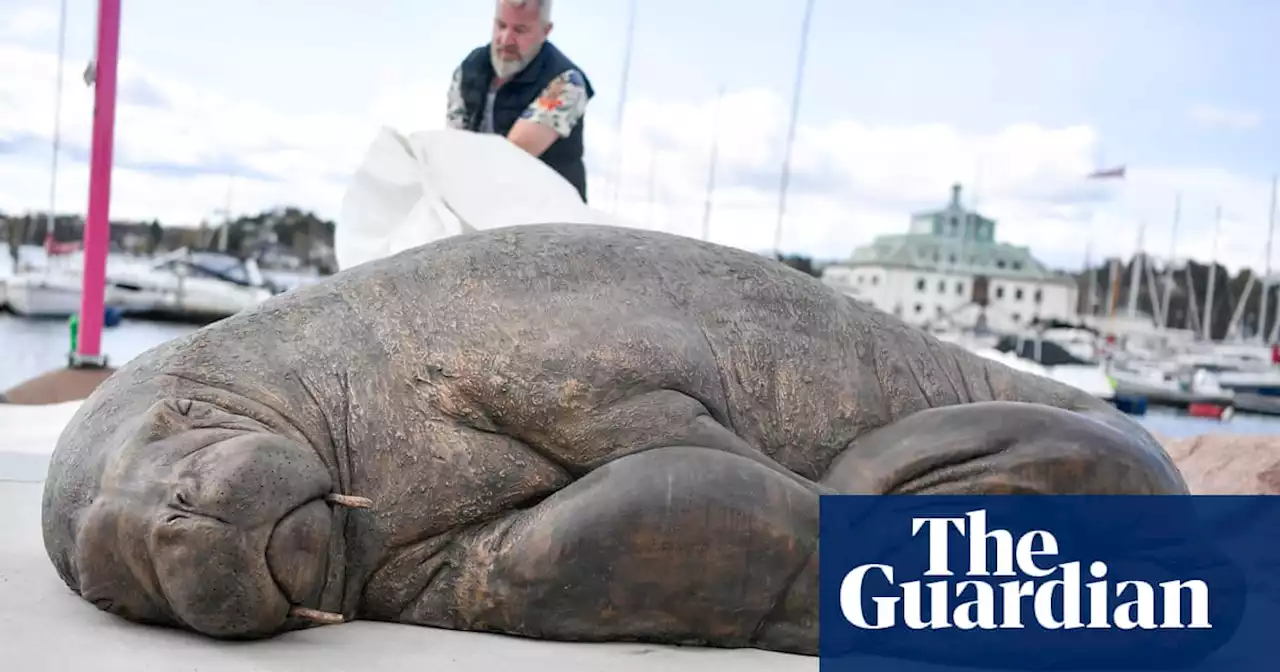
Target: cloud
[(29, 22), (1215, 116), (852, 180), (183, 150)]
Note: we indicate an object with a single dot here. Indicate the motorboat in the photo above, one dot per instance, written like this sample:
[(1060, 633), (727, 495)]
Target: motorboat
[(185, 285), (191, 285), (1036, 354)]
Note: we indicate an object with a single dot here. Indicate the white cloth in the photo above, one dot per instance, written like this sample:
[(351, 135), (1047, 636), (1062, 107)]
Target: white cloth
[(411, 190)]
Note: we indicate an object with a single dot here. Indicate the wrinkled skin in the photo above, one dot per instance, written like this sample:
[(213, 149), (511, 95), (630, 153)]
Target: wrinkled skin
[(574, 433)]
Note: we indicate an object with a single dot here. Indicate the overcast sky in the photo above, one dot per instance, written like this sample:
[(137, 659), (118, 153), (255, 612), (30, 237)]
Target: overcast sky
[(1017, 100)]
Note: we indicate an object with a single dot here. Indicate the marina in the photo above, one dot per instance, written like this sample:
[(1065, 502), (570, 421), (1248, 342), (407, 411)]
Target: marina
[(950, 275)]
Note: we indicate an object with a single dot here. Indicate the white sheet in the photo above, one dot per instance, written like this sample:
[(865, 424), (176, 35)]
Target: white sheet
[(417, 188)]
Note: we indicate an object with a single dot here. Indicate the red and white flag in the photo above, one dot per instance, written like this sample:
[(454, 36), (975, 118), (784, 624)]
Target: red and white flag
[(1116, 173)]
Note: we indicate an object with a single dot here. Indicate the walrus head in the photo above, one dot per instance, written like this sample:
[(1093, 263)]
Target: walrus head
[(207, 520)]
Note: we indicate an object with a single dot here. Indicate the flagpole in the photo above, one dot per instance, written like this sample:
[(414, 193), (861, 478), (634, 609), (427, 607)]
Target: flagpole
[(797, 87), (97, 230), (1101, 173)]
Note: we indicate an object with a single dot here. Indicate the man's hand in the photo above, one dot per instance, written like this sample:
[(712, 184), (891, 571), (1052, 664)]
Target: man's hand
[(553, 115)]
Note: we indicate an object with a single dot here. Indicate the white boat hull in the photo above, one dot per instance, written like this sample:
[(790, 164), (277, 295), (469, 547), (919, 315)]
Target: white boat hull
[(1088, 378), (49, 295), (56, 293)]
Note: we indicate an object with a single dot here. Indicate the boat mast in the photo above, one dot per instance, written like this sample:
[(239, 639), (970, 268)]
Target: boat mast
[(622, 106), (1266, 276), (797, 87), (1090, 301), (1135, 279), (711, 167), (1206, 324), (57, 122), (1170, 280)]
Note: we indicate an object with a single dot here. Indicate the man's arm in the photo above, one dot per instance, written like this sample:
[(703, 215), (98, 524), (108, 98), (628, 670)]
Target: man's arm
[(456, 115), (553, 115)]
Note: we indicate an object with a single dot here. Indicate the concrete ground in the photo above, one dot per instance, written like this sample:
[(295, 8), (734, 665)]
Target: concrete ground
[(43, 626)]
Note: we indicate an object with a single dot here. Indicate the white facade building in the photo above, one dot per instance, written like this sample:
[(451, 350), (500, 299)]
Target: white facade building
[(948, 270)]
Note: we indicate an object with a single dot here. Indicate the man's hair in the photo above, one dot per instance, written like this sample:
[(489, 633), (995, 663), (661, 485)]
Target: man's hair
[(544, 7)]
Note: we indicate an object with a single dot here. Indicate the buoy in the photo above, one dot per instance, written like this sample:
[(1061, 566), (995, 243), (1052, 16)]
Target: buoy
[(111, 316), (1205, 410), (1131, 405)]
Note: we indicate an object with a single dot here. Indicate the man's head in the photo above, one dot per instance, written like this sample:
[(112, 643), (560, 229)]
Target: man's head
[(520, 27)]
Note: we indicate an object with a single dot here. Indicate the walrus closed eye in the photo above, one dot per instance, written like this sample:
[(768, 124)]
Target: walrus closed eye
[(205, 520)]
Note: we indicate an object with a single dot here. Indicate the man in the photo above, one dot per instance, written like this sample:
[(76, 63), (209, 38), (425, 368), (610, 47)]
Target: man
[(523, 87)]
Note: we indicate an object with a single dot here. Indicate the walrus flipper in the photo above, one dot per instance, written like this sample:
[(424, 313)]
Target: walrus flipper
[(1002, 447), (670, 545)]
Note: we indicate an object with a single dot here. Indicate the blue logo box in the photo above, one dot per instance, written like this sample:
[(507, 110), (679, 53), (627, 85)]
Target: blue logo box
[(1020, 582)]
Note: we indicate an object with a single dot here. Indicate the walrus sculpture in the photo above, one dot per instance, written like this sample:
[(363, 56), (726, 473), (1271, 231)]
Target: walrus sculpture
[(581, 433)]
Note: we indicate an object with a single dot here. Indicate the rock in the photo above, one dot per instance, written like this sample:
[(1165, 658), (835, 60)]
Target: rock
[(1228, 464)]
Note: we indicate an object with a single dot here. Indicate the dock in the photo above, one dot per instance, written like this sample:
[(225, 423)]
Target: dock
[(1129, 391)]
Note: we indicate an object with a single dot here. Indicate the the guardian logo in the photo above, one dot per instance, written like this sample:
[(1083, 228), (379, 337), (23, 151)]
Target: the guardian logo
[(1054, 602)]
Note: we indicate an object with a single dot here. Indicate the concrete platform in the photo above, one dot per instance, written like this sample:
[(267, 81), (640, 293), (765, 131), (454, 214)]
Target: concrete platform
[(43, 626)]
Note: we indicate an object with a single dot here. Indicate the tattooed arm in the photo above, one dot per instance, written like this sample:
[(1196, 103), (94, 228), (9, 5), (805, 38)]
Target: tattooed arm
[(553, 115), (456, 115)]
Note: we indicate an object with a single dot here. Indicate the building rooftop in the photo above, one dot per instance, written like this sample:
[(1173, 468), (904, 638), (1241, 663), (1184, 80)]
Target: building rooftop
[(952, 238)]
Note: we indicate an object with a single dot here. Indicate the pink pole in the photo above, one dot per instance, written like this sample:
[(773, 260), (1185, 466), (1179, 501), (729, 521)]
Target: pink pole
[(98, 225)]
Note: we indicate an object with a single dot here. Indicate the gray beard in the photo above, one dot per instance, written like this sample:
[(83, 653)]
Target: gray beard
[(507, 69)]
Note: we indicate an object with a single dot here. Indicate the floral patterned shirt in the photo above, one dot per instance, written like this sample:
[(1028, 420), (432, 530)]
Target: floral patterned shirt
[(560, 105)]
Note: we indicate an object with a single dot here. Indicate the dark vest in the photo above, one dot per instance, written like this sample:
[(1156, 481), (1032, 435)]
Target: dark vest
[(565, 154)]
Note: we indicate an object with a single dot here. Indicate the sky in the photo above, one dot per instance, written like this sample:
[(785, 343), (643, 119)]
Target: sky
[(259, 104)]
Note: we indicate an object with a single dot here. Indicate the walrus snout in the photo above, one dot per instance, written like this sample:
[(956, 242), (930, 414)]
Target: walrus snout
[(252, 512), (226, 533)]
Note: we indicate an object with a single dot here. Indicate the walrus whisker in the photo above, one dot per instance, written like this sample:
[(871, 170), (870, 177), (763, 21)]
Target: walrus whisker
[(351, 501), (316, 616)]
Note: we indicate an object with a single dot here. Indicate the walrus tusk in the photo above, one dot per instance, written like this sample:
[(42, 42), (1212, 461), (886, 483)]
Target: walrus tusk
[(350, 501), (316, 616)]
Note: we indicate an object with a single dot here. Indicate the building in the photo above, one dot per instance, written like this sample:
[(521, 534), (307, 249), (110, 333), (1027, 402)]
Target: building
[(949, 270)]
